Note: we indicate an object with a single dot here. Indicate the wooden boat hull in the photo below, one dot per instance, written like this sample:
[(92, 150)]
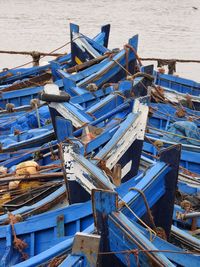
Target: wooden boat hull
[(24, 96), (42, 232), (189, 158), (181, 85)]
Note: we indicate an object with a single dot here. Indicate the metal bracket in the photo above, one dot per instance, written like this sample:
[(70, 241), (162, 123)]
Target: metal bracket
[(87, 245)]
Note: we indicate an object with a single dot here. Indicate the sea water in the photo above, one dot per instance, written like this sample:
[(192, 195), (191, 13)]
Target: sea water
[(166, 28)]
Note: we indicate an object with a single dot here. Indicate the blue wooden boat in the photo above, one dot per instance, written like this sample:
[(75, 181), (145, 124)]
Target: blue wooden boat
[(86, 99), (166, 126), (53, 227), (19, 98), (19, 199), (185, 132), (24, 120), (183, 218), (15, 111), (33, 191), (7, 157), (70, 113), (123, 241), (128, 141), (113, 68), (29, 119), (111, 103), (188, 183), (81, 219), (47, 159), (34, 194), (175, 90), (179, 84), (56, 198), (84, 107), (185, 238), (109, 70), (110, 129), (173, 118), (27, 139), (76, 161), (120, 133), (44, 155), (20, 140), (107, 135), (162, 115), (166, 95), (78, 253), (189, 154), (36, 137), (10, 76), (24, 96)]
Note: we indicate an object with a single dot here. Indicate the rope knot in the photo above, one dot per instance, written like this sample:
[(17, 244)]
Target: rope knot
[(135, 252), (158, 144), (35, 102), (135, 53), (151, 111), (161, 70), (19, 244), (17, 132), (180, 113), (36, 58), (10, 107), (92, 87), (161, 233), (121, 204), (186, 205)]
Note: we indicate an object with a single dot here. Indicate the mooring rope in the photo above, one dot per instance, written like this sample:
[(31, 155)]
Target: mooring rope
[(152, 233), (168, 60), (47, 54), (30, 53)]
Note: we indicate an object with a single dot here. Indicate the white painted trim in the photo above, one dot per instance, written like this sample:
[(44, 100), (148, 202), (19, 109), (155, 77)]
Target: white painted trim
[(76, 121)]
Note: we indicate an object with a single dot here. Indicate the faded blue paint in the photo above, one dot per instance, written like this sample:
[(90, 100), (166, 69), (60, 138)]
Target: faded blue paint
[(179, 84)]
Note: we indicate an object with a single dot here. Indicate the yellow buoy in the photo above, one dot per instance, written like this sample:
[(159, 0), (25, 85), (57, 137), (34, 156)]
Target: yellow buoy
[(27, 167), (24, 186), (4, 198)]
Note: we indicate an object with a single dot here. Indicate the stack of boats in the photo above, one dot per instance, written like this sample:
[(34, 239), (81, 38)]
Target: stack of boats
[(99, 161)]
